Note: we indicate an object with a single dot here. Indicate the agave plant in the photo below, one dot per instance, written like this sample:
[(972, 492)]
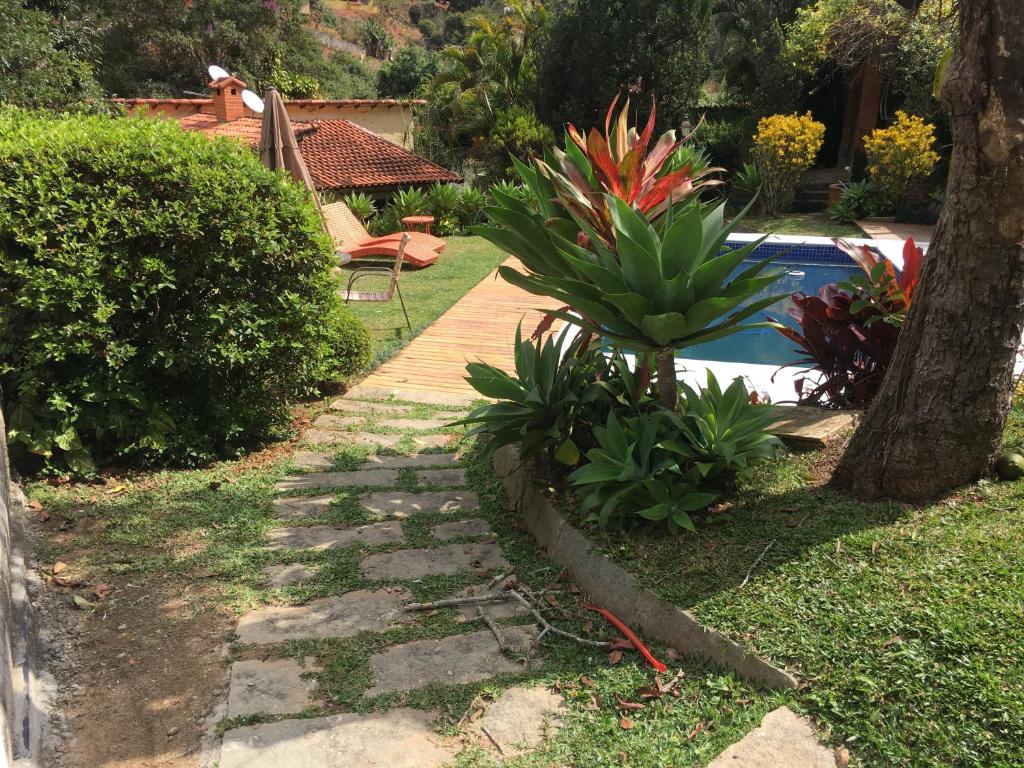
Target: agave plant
[(443, 199), (647, 290), (471, 205), (361, 205), (409, 202), (541, 403), (593, 167)]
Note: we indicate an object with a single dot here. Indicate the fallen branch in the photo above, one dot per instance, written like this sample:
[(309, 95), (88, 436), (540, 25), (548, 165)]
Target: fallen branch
[(753, 565), (549, 627), (499, 579), (493, 627), (450, 602)]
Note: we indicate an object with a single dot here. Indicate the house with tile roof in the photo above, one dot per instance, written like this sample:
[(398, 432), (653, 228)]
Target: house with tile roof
[(342, 155)]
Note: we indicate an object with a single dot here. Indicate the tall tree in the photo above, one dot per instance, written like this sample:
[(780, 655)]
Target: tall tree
[(939, 417), (596, 49)]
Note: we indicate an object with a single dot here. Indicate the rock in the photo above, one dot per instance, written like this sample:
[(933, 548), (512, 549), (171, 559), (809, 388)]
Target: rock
[(274, 687), (442, 561), (287, 575), (402, 504), (342, 616), (458, 659), (1010, 466), (299, 507), (461, 528), (355, 479), (451, 477), (401, 738), (519, 720), (322, 537), (782, 739)]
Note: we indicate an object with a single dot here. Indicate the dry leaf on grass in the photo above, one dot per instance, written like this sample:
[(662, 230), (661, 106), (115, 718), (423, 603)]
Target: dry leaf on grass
[(625, 724)]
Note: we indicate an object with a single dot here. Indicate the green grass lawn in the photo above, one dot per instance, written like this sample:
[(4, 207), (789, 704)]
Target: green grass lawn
[(906, 625), (428, 292), (817, 224)]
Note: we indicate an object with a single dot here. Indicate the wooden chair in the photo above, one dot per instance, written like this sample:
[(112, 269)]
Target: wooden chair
[(384, 296)]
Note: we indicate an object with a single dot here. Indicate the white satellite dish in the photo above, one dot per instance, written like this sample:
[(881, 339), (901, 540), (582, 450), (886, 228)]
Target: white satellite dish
[(252, 101), (217, 73)]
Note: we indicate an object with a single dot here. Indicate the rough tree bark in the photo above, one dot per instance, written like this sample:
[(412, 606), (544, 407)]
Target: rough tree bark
[(939, 417), (668, 388)]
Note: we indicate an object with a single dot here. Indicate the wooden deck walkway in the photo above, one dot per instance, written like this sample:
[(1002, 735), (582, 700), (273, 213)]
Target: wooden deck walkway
[(480, 327)]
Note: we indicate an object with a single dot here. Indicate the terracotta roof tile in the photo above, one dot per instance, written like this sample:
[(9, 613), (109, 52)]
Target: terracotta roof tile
[(339, 154)]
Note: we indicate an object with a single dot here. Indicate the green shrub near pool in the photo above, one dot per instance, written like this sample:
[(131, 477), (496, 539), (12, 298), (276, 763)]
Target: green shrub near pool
[(162, 296)]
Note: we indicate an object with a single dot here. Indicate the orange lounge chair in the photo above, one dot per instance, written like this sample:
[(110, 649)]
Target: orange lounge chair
[(351, 237)]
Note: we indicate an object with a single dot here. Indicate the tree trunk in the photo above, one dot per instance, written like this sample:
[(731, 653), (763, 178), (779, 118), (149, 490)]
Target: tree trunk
[(665, 360), (939, 417)]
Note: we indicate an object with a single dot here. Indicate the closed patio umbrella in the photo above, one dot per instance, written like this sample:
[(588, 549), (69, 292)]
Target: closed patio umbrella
[(279, 149)]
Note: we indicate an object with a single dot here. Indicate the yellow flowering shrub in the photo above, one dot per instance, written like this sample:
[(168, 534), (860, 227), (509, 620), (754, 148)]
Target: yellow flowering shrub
[(899, 153), (784, 147)]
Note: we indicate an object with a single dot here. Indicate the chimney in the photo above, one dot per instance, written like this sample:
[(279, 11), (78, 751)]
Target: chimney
[(227, 99)]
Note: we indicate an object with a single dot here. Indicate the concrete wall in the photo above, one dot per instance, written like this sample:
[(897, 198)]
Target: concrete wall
[(7, 624)]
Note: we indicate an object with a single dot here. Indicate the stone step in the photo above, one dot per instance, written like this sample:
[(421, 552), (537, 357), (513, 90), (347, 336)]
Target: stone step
[(441, 561), (326, 437), (400, 738), (324, 537), (450, 477), (288, 575), (418, 424), (332, 421), (454, 660), (341, 616), (419, 461), (354, 479), (519, 721), (313, 460), (459, 528), (782, 739), (357, 406), (274, 687), (402, 504), (299, 507)]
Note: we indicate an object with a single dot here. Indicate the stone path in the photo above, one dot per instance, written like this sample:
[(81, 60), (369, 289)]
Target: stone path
[(389, 490), (384, 508)]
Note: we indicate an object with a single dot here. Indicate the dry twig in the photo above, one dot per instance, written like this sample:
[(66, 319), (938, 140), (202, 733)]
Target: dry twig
[(753, 565), (548, 627)]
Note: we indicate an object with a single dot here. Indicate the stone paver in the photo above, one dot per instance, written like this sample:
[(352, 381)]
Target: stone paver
[(501, 609), (287, 575), (458, 659), (323, 437), (402, 504), (401, 738), (301, 506), (331, 421), (809, 427), (322, 537), (453, 477), (274, 687), (519, 720), (442, 561), (418, 461), (782, 739), (431, 441), (424, 424), (342, 616), (355, 406), (459, 528), (358, 478), (313, 460)]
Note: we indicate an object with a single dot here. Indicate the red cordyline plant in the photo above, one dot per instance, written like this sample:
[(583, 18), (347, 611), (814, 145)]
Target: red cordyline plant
[(618, 163), (849, 331)]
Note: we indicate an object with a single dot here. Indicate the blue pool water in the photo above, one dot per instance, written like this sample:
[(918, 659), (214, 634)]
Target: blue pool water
[(767, 346)]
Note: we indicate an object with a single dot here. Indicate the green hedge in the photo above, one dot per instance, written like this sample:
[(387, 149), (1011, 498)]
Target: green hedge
[(162, 296)]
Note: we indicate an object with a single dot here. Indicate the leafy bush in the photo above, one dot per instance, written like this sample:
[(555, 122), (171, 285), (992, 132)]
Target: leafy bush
[(376, 39), (442, 200), (900, 153), (746, 182), (849, 331), (411, 69), (784, 147), (724, 141), (163, 295), (511, 189), (409, 202), (471, 206), (361, 205), (386, 222), (519, 133), (346, 345)]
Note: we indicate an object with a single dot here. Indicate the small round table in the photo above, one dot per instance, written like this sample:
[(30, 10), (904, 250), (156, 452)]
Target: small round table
[(411, 222)]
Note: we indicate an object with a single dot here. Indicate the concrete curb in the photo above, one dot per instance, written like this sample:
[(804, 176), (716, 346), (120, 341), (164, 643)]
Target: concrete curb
[(619, 591)]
